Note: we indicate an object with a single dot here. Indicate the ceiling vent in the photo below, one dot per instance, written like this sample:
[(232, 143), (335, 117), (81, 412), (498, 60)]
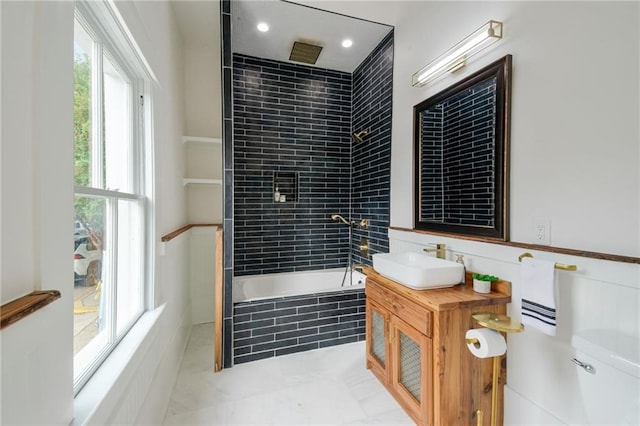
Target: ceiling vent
[(305, 52)]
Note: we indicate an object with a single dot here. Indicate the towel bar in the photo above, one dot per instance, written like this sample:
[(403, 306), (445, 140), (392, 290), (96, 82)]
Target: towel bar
[(562, 266)]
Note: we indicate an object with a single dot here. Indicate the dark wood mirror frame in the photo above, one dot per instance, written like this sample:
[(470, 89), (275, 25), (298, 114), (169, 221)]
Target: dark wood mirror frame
[(497, 224)]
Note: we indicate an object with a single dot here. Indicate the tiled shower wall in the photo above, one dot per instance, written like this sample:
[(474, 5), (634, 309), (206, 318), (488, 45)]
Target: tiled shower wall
[(371, 159), (227, 154), (294, 120), (464, 158)]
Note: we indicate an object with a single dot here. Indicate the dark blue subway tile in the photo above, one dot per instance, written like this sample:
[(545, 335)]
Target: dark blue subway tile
[(274, 345), (253, 357), (319, 337)]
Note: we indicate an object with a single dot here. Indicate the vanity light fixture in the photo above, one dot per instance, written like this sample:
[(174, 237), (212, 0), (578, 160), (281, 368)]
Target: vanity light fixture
[(263, 27), (455, 58), (347, 43)]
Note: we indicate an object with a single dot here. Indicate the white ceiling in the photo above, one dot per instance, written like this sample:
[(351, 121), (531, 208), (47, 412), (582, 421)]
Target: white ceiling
[(291, 22), (199, 21)]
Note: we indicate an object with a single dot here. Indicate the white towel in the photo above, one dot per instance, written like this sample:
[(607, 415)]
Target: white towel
[(538, 295)]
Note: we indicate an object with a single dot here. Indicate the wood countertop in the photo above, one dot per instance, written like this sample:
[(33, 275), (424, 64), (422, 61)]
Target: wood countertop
[(444, 299)]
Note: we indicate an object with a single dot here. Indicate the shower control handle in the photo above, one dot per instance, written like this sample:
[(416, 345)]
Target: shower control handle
[(364, 247), (587, 367)]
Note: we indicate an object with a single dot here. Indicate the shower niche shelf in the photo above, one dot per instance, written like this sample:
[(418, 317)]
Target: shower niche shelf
[(203, 178), (286, 183)]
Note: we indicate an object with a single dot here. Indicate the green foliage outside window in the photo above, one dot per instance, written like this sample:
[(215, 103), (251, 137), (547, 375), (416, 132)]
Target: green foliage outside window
[(89, 211)]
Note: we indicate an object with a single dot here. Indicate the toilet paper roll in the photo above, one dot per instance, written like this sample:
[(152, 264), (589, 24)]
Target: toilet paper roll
[(490, 343)]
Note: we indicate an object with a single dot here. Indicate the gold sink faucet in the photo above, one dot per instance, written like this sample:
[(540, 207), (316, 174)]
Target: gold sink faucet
[(440, 250)]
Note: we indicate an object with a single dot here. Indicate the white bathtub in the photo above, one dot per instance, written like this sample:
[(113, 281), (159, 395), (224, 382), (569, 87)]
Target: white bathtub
[(255, 287)]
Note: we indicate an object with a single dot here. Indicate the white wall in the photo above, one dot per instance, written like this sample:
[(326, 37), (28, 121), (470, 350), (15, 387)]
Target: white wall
[(574, 136), (199, 23), (37, 209), (575, 162), (203, 92), (203, 107), (202, 247), (37, 222)]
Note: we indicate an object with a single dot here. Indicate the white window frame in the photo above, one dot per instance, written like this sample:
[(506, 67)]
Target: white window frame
[(101, 21)]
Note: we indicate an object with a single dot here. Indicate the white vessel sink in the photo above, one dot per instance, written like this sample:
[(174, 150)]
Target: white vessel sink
[(418, 270)]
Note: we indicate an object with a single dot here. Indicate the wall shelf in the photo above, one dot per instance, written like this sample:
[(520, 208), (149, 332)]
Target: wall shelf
[(203, 178), (197, 181), (201, 140)]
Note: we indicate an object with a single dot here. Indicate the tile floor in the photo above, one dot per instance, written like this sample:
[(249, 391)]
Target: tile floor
[(329, 386)]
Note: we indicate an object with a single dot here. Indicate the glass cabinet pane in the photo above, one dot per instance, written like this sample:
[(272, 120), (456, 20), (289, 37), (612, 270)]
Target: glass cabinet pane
[(409, 364), (378, 343)]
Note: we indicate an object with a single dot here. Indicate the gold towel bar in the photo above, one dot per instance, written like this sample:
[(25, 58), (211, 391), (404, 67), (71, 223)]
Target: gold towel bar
[(562, 266)]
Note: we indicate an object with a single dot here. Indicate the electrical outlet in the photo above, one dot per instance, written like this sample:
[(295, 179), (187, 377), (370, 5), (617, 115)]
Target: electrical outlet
[(542, 232)]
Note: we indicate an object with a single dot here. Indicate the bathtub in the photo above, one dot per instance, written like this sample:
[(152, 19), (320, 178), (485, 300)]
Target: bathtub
[(278, 314), (256, 287)]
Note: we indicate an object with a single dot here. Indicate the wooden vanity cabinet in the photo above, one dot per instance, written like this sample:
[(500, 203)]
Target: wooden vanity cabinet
[(377, 339), (416, 348)]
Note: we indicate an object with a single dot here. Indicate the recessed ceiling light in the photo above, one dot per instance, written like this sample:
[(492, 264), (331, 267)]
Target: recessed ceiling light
[(347, 43), (263, 27)]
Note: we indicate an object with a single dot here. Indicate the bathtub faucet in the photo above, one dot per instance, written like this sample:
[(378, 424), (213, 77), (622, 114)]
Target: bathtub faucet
[(362, 223), (336, 217)]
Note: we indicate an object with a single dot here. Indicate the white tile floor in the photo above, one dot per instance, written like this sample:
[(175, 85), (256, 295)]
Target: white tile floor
[(328, 386)]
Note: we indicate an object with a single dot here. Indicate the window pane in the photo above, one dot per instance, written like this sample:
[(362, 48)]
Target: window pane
[(130, 259), (89, 271), (109, 257), (82, 104), (117, 129)]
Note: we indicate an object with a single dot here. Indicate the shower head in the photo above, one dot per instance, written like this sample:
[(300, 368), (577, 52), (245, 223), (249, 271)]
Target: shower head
[(358, 137), (336, 217)]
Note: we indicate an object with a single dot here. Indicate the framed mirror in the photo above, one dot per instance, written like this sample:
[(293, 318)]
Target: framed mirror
[(461, 155)]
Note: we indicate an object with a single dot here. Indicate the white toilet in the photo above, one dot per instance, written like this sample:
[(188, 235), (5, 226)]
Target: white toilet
[(608, 367)]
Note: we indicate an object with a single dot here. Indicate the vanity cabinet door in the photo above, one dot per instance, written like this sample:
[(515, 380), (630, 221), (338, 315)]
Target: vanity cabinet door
[(411, 370), (377, 337)]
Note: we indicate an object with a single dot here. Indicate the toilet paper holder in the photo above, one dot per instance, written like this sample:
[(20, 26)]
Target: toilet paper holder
[(504, 324), (473, 341)]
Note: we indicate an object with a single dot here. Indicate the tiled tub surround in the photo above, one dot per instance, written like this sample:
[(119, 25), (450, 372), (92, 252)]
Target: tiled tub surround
[(272, 327), (290, 118)]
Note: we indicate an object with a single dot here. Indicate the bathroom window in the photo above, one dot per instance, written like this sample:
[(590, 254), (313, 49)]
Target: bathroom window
[(110, 201)]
